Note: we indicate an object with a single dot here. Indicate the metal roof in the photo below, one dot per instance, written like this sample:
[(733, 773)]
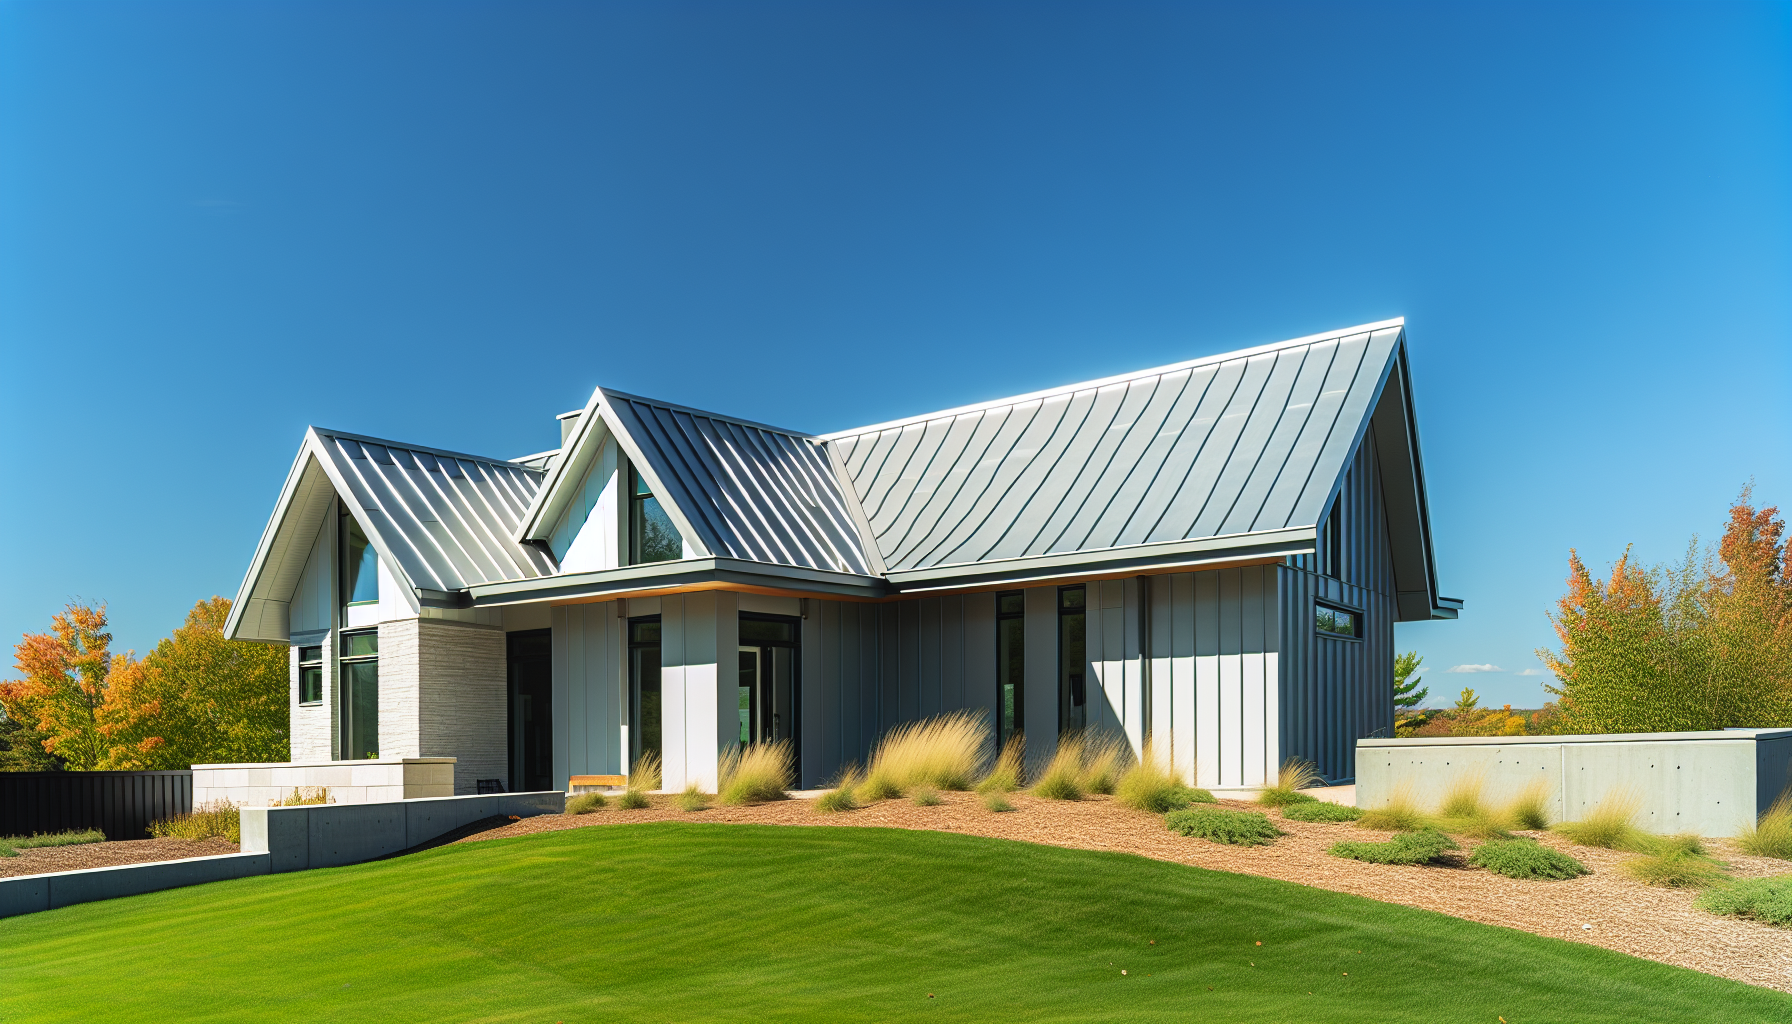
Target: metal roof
[(1236, 444), (744, 490)]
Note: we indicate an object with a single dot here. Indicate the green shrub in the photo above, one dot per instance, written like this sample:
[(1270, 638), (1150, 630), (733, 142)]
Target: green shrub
[(1676, 869), (1062, 778), (996, 802), (11, 845), (1399, 814), (1234, 828), (1295, 776), (633, 799), (218, 818), (692, 799), (1426, 846), (1009, 770), (1105, 759), (1771, 836), (1768, 900), (754, 774), (1320, 811), (1610, 825), (585, 803), (1527, 859), (306, 796), (926, 797)]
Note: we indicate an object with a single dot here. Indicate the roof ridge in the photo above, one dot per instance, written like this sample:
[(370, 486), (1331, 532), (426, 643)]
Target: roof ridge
[(1063, 389), (408, 446), (724, 417)]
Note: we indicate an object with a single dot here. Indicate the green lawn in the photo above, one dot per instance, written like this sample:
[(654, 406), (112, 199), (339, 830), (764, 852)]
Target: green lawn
[(735, 922)]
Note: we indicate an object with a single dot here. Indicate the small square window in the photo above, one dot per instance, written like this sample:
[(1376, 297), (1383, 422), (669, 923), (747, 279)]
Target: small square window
[(311, 655), (360, 645), (1335, 621), (1011, 603)]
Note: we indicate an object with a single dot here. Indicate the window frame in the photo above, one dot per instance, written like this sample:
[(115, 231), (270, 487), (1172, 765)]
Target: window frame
[(1355, 616), (343, 526), (307, 665), (345, 698), (637, 519), (1018, 726), (634, 685), (1069, 681)]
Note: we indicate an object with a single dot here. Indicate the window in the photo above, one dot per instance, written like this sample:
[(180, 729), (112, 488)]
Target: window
[(652, 537), (1011, 610), (644, 684), (1335, 621), (1073, 660), (358, 702), (1331, 552), (311, 675), (360, 564)]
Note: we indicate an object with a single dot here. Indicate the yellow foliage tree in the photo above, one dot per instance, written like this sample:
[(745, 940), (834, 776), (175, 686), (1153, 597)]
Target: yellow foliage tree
[(64, 687)]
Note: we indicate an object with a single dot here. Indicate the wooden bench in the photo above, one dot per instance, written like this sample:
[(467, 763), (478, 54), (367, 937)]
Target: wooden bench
[(613, 781)]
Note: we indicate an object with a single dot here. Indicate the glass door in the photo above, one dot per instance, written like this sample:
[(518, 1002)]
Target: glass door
[(768, 683)]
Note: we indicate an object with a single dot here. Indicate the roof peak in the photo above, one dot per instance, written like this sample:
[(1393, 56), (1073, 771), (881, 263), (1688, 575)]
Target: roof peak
[(408, 446)]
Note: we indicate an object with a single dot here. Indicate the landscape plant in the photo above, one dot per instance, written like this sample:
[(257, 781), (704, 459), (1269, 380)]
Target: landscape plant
[(1062, 777), (754, 774), (1611, 824), (1771, 835), (1525, 858), (1150, 784), (692, 798), (213, 818), (1105, 757), (1294, 776), (1398, 813), (994, 800), (1768, 900), (1234, 828), (633, 800), (1320, 811), (11, 845), (945, 752), (1009, 770), (927, 796), (1529, 808), (644, 778), (306, 796), (585, 803), (1426, 846), (844, 795)]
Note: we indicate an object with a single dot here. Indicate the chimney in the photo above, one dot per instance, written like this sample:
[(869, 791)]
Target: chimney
[(569, 422)]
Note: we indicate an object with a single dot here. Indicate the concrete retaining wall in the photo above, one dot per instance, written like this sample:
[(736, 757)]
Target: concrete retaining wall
[(349, 782), (277, 839), (1711, 783)]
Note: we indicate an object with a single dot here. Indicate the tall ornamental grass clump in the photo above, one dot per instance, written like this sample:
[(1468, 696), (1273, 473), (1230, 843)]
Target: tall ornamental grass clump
[(944, 752), (307, 796), (11, 845), (1771, 835), (1768, 900), (1234, 828), (1105, 758), (219, 818), (754, 774), (1611, 824), (1529, 809), (1062, 778), (692, 799), (1399, 813), (1009, 771), (1294, 776), (1151, 784), (645, 777), (1426, 846), (845, 794), (1677, 862), (1526, 858)]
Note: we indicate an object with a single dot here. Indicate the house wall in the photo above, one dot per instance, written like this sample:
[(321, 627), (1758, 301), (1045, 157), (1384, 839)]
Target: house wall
[(586, 537), (310, 727), (590, 691), (1334, 690)]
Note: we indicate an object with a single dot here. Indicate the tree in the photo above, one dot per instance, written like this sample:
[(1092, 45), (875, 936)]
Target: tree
[(198, 698), (1407, 692), (22, 748), (64, 686)]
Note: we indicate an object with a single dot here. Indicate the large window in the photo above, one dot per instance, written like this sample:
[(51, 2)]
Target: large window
[(1335, 622), (1011, 654), (1073, 659), (360, 564), (311, 675), (652, 537), (644, 685), (359, 700)]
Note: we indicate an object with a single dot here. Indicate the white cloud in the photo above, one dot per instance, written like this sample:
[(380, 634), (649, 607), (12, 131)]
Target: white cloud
[(1534, 672), (1474, 668)]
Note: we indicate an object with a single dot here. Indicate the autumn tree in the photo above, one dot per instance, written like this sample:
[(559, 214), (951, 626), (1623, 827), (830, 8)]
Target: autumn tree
[(64, 685), (198, 698)]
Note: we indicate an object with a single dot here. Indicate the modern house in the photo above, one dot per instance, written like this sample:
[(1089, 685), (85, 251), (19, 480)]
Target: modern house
[(1211, 555)]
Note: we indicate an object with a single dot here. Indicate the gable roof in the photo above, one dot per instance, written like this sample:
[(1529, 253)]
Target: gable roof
[(443, 520)]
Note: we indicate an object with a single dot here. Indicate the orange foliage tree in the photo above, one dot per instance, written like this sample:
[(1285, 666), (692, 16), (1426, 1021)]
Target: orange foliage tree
[(64, 687)]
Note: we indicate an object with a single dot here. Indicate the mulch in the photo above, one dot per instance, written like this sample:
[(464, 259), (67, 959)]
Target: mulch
[(106, 855)]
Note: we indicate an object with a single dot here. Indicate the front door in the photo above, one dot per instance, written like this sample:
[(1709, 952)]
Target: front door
[(531, 710), (769, 683)]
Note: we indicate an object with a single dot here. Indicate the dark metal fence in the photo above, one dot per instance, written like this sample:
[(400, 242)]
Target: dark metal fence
[(120, 804)]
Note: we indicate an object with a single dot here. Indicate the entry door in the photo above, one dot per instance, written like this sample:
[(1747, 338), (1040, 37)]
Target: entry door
[(531, 710), (769, 684)]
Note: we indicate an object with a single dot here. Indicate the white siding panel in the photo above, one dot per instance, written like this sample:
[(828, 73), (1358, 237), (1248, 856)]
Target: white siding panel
[(1207, 678)]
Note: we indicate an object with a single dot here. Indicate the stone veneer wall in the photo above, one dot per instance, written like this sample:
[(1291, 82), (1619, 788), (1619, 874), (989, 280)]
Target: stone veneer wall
[(443, 693)]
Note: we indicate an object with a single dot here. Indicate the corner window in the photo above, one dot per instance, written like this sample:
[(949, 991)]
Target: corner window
[(1073, 659), (1011, 651), (358, 700), (1335, 622), (311, 675), (360, 564), (652, 537)]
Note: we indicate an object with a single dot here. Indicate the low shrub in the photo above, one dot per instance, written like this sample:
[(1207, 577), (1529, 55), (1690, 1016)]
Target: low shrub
[(1062, 778), (754, 774), (1105, 759), (927, 797), (996, 801), (1295, 776), (1768, 900), (1527, 859), (1771, 835), (1320, 811), (845, 794), (1149, 784), (11, 845), (1399, 814), (632, 799), (585, 803), (1234, 828), (944, 752), (1426, 846), (1611, 824), (1676, 869), (1529, 810), (1006, 775), (692, 799), (218, 818), (1485, 826), (307, 796)]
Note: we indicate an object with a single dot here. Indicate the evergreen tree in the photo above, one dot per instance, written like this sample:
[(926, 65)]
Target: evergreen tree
[(1407, 692)]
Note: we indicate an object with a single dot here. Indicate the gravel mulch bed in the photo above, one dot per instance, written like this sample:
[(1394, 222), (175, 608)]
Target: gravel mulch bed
[(106, 855), (1625, 915)]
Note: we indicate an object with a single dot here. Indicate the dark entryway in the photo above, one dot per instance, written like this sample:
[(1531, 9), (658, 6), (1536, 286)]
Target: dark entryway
[(769, 683), (531, 710)]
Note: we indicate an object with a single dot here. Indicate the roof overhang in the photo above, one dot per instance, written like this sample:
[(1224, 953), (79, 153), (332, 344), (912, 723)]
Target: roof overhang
[(1396, 431)]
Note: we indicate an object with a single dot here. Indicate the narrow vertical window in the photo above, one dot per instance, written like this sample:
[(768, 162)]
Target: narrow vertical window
[(644, 684), (311, 675), (358, 703), (360, 564), (652, 537), (1331, 561), (1011, 650), (1073, 660)]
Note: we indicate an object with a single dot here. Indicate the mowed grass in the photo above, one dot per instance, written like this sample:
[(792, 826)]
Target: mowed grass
[(670, 922)]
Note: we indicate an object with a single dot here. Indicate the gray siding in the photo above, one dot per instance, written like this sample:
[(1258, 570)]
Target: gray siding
[(1335, 691), (589, 695)]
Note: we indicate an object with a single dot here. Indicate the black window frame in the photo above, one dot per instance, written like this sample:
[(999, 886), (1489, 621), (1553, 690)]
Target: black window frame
[(1006, 729), (795, 644), (630, 625), (345, 698), (307, 666), (1355, 616), (343, 525), (1069, 681)]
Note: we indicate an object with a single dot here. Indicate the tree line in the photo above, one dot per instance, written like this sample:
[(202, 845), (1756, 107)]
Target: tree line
[(197, 698)]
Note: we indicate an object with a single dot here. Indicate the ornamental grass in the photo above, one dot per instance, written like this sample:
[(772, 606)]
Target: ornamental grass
[(692, 799), (1611, 824), (1294, 776), (754, 774), (307, 796), (1771, 834), (1151, 784), (1010, 769), (1062, 777), (945, 752), (219, 818), (1398, 813), (845, 794), (1676, 862), (644, 777), (1105, 758), (11, 845), (585, 803), (1529, 810)]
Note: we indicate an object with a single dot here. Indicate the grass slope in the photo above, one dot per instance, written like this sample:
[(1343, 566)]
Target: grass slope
[(737, 922)]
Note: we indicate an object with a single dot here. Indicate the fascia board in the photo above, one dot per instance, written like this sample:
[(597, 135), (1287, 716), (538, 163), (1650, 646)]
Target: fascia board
[(533, 516), (1297, 540), (1379, 325), (681, 573), (258, 563), (637, 458)]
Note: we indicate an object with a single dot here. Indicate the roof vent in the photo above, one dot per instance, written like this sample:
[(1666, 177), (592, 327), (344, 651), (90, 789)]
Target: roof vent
[(569, 422)]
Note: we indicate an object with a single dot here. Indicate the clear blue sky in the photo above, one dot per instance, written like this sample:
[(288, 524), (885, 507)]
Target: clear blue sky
[(445, 222)]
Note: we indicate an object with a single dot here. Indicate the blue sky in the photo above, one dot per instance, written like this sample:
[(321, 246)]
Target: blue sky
[(445, 222)]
